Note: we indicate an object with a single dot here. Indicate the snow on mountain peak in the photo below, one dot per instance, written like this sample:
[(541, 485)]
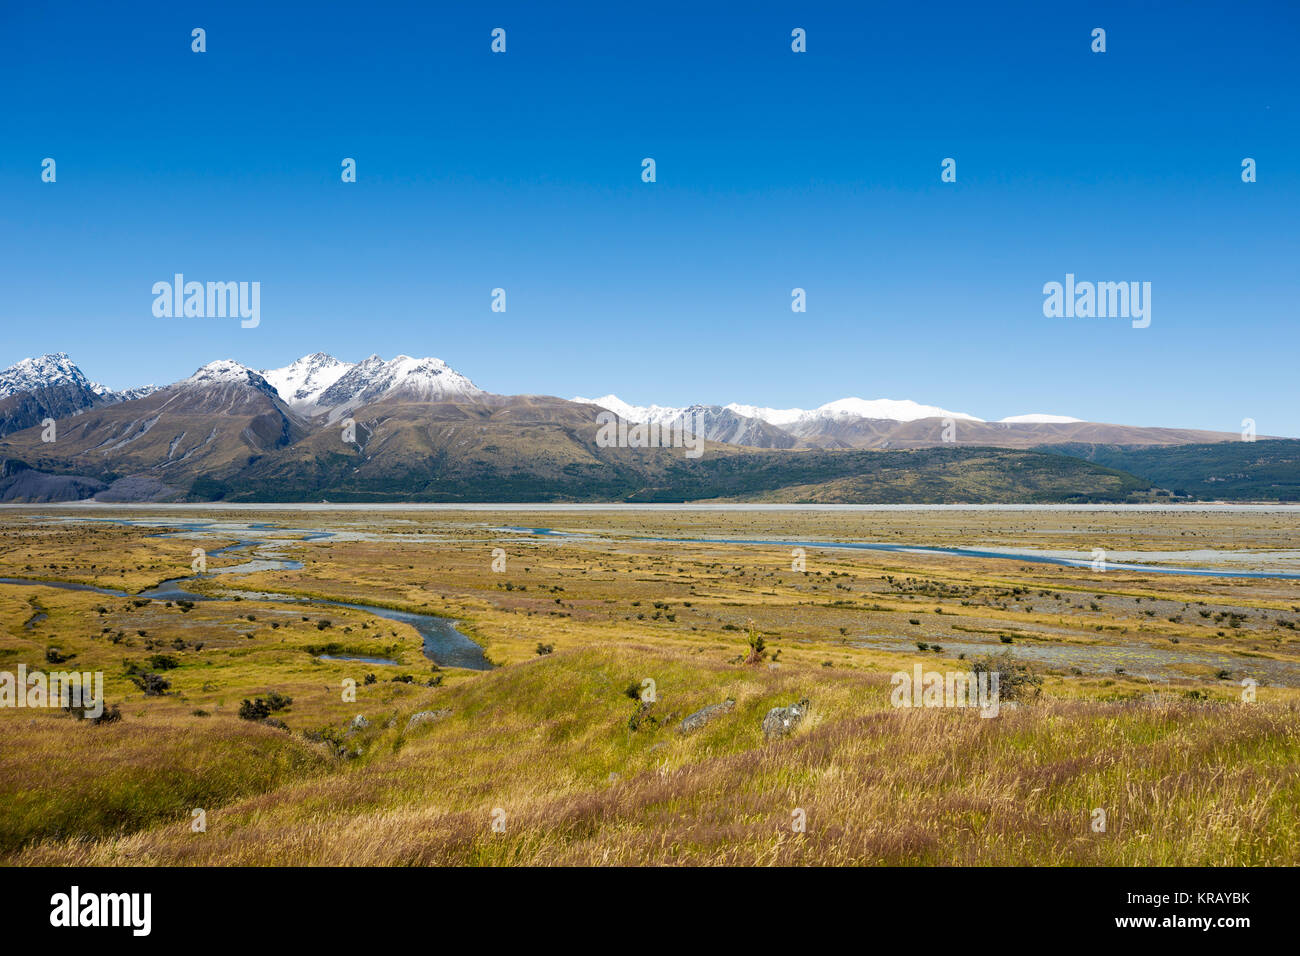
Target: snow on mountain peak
[(224, 372), (421, 379), (301, 383), (844, 408), (122, 395), (773, 416), (1038, 419), (407, 371), (903, 410), (634, 413), (53, 368), (320, 383)]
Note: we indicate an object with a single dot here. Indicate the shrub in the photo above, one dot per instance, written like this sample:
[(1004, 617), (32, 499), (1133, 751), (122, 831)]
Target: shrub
[(109, 715), (757, 646), (642, 717), (254, 709), (1016, 680), (331, 738), (153, 685)]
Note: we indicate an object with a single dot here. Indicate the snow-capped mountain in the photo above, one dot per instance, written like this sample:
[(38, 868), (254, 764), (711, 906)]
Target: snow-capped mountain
[(47, 371), (416, 379), (122, 395), (36, 389), (1038, 420), (56, 369), (845, 423), (636, 413), (314, 384), (712, 422), (228, 431), (221, 387), (223, 372), (845, 408), (323, 388), (882, 409), (302, 383)]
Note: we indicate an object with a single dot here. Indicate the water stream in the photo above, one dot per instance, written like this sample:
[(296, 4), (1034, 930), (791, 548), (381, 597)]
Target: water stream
[(442, 642)]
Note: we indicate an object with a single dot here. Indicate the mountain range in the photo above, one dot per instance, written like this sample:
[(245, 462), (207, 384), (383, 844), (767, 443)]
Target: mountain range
[(416, 429)]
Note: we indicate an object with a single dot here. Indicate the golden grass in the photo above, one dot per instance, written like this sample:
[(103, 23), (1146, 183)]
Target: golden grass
[(1180, 783), (1188, 775)]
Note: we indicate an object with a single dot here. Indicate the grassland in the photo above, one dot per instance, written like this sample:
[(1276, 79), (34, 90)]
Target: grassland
[(1139, 711)]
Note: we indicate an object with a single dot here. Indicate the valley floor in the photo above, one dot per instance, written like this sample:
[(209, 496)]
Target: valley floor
[(1147, 718)]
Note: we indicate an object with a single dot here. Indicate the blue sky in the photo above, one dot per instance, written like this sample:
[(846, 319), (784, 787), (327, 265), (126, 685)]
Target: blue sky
[(775, 170)]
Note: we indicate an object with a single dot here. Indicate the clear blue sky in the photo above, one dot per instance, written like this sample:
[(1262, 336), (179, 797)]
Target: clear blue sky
[(775, 170)]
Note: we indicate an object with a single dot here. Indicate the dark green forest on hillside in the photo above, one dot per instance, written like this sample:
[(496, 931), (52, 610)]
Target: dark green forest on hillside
[(1231, 471)]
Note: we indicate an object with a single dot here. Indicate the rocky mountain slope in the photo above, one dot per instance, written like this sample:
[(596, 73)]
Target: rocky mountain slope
[(416, 429)]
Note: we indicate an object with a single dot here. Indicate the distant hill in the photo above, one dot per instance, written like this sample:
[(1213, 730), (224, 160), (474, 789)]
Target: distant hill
[(946, 475), (923, 476), (1264, 470), (414, 429)]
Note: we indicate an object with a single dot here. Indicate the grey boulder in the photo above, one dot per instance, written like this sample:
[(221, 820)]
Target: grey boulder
[(426, 717), (782, 720), (702, 716)]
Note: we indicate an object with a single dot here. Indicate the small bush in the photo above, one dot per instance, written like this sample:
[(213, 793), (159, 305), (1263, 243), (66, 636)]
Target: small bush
[(153, 685), (1016, 680), (256, 709)]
